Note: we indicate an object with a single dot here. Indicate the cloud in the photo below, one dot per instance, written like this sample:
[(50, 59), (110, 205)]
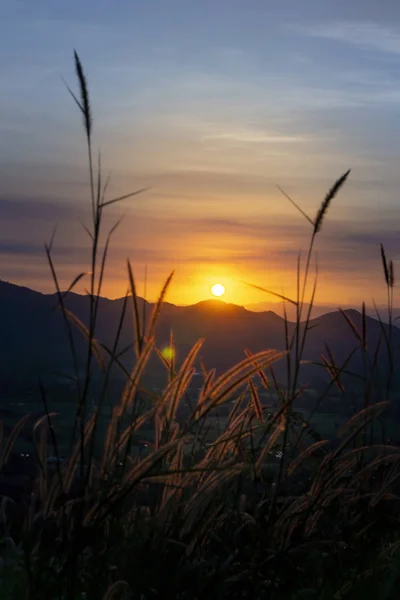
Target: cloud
[(19, 208), (235, 131), (195, 243), (255, 137), (364, 35)]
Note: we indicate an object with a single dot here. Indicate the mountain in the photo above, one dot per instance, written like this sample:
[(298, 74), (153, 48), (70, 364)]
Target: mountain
[(277, 307), (34, 339), (319, 309)]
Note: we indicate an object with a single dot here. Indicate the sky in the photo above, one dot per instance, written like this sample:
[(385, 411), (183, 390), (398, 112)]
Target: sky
[(211, 105)]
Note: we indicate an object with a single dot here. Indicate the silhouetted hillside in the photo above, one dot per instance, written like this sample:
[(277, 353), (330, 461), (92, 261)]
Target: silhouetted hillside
[(34, 340)]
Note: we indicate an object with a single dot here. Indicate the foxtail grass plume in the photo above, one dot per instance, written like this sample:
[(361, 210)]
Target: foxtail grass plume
[(388, 268), (385, 265), (84, 104), (328, 198)]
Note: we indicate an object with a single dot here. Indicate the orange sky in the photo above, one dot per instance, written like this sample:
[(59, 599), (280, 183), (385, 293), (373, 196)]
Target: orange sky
[(206, 241), (210, 247)]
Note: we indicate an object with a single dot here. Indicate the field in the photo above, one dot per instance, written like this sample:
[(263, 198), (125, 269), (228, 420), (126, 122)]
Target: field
[(61, 401)]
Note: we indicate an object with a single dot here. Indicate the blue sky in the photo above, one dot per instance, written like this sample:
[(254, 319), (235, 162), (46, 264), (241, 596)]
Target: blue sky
[(211, 104)]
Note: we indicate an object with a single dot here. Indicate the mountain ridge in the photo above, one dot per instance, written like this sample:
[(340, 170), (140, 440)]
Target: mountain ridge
[(209, 302), (35, 340)]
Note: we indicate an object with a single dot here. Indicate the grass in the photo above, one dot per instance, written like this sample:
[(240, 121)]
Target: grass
[(269, 510)]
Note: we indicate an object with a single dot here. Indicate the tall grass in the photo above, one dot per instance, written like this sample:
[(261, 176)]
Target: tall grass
[(193, 520)]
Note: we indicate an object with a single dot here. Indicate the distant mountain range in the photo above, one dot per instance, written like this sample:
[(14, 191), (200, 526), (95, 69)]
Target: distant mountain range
[(319, 309), (34, 340)]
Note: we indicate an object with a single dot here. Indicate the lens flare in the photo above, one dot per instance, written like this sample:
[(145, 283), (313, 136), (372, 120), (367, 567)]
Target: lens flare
[(168, 353)]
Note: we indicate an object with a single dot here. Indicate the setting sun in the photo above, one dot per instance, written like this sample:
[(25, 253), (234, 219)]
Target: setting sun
[(218, 289)]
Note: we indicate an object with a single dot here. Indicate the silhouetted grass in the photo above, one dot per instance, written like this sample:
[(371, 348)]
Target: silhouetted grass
[(194, 520)]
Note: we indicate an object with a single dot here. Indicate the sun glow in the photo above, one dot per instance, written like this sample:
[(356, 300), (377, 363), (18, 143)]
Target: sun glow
[(218, 289)]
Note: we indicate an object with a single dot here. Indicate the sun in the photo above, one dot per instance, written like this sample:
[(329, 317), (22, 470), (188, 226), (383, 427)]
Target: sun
[(218, 289)]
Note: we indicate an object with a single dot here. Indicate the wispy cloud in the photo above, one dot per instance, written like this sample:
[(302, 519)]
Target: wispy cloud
[(365, 35), (252, 135), (160, 237), (255, 137)]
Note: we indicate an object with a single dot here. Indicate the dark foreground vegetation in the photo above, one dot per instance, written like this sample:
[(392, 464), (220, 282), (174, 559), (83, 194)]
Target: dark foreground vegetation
[(143, 502)]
